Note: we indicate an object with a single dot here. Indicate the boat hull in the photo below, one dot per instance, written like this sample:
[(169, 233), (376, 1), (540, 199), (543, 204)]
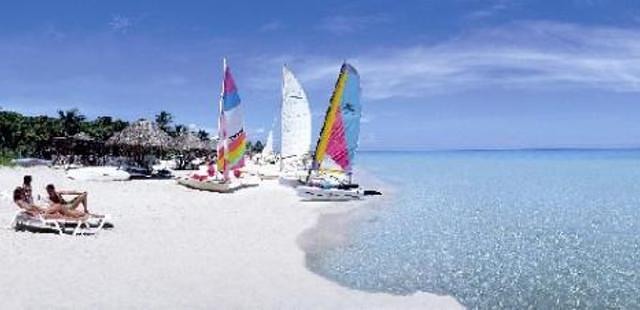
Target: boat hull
[(313, 193), (211, 186), (268, 172), (104, 174), (292, 181)]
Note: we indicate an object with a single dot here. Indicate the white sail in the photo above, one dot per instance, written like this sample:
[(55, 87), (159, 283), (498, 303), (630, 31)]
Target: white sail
[(268, 147), (295, 118)]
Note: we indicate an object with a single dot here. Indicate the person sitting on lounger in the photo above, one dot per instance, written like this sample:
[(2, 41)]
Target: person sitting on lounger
[(20, 199), (26, 187), (57, 200), (53, 212)]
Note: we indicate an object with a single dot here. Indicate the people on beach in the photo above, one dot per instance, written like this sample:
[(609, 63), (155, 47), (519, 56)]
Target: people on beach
[(57, 200), (20, 200), (28, 190)]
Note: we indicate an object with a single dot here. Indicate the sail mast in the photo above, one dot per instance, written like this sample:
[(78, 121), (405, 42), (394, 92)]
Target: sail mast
[(232, 124), (222, 137)]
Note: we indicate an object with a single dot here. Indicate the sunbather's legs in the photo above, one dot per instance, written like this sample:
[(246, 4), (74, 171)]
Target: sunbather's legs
[(53, 216), (81, 199), (60, 209)]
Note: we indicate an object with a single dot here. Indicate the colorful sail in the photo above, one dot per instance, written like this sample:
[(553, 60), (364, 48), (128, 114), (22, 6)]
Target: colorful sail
[(232, 143), (339, 136)]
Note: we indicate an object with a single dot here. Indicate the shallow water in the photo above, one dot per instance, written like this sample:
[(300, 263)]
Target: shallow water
[(507, 229)]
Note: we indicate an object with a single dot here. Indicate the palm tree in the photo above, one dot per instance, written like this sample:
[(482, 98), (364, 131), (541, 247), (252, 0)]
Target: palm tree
[(203, 135), (257, 148), (164, 119), (178, 130), (71, 121)]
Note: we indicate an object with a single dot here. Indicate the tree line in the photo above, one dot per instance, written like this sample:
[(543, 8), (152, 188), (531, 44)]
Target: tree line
[(31, 136)]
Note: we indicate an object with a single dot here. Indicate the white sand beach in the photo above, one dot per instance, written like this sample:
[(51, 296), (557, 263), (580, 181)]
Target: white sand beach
[(173, 247)]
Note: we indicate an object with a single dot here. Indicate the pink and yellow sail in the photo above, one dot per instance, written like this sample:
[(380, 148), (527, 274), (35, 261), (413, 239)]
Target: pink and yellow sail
[(232, 144), (339, 135)]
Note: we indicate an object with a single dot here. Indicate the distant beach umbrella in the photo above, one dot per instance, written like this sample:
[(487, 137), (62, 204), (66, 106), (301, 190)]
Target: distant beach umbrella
[(78, 144), (142, 133), (187, 141)]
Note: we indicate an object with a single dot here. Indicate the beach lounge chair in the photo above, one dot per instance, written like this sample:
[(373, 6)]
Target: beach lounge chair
[(24, 221)]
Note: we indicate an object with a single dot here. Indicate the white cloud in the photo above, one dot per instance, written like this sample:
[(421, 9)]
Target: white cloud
[(490, 11), (120, 24), (529, 55), (272, 26)]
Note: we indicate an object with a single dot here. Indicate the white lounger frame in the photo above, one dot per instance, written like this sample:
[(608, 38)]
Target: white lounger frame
[(81, 226)]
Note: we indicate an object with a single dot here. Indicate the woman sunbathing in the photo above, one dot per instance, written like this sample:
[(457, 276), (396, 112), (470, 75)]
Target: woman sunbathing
[(21, 200), (58, 201)]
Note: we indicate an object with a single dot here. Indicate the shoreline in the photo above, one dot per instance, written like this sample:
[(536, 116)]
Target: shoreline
[(175, 247)]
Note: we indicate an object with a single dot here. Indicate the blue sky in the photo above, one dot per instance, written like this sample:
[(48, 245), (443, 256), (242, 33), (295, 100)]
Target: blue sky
[(435, 74)]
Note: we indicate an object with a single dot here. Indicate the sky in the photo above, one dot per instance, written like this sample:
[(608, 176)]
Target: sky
[(458, 74)]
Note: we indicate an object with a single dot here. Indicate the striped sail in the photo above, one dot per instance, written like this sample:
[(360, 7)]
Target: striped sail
[(339, 135), (232, 143)]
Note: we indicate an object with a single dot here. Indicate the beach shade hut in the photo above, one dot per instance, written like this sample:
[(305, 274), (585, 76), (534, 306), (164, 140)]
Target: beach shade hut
[(142, 134), (187, 141), (139, 139), (80, 148), (189, 147)]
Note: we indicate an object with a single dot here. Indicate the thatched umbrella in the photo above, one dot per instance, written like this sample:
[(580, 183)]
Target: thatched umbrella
[(80, 144), (189, 147), (187, 141), (142, 134), (141, 138)]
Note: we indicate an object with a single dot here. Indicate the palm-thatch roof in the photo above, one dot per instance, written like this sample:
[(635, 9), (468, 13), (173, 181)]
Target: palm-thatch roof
[(187, 141), (142, 133)]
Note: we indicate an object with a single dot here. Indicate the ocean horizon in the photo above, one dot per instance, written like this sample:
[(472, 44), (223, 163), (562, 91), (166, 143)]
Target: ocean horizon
[(523, 149)]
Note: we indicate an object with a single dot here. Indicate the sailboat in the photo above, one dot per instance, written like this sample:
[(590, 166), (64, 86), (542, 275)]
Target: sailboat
[(267, 150), (337, 144), (232, 141), (295, 130), (268, 170)]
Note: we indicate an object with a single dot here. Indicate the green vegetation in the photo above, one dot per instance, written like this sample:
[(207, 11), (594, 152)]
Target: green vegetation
[(32, 136), (6, 158)]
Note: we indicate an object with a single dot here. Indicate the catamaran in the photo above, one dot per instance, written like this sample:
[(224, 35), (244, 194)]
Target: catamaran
[(267, 169), (338, 141), (267, 150), (295, 130), (231, 144)]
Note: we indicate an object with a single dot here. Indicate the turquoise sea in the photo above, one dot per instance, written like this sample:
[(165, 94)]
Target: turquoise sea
[(547, 229)]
